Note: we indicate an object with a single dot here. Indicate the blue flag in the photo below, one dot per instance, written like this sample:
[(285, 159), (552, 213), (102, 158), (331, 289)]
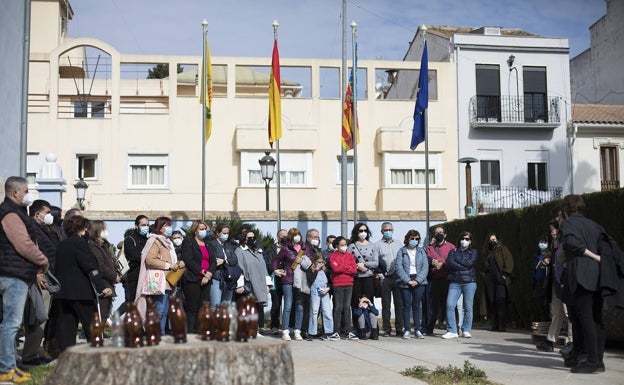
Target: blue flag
[(422, 102)]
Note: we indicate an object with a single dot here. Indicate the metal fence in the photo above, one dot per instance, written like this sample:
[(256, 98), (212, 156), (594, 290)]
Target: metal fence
[(513, 109), (491, 199)]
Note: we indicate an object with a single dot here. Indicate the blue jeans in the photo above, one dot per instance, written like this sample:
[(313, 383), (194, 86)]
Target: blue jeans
[(412, 305), (324, 303), (217, 295), (455, 290), (161, 303), (14, 292), (287, 289)]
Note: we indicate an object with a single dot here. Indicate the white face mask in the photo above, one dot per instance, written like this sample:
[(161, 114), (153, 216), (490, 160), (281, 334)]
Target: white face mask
[(297, 238), (177, 241), (314, 242), (464, 243), (362, 235), (48, 219), (343, 249), (104, 234), (28, 200)]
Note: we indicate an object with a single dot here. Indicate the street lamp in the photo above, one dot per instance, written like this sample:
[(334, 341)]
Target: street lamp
[(510, 63), (267, 169), (81, 189), (469, 208)]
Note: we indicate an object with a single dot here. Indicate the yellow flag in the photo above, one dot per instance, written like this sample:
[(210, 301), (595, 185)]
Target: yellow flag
[(207, 99), (275, 101)]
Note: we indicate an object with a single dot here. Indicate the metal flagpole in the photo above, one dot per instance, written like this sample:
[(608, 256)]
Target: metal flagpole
[(277, 157), (203, 110), (355, 132), (425, 117), (343, 153)]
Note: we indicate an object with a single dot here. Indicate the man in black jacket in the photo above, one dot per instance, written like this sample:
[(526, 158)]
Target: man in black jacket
[(21, 262), (580, 243), (134, 241)]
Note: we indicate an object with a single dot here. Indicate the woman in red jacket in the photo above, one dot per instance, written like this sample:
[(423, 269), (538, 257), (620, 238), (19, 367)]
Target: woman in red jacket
[(343, 267)]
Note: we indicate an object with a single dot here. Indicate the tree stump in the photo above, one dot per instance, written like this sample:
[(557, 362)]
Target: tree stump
[(260, 361)]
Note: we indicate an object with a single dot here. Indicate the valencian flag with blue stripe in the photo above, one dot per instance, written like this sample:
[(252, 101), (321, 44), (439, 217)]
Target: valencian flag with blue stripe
[(422, 102)]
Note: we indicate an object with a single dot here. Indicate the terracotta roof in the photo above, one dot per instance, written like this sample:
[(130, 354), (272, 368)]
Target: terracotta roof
[(448, 31), (598, 113)]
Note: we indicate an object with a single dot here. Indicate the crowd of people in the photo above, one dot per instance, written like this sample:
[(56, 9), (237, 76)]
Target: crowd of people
[(316, 290)]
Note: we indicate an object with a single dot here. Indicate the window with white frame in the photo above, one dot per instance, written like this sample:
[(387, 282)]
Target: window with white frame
[(350, 173), (87, 166), (32, 167), (148, 171), (408, 170), (295, 169)]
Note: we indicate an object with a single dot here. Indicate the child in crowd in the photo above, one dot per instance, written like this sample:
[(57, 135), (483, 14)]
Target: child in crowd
[(366, 314), (319, 298)]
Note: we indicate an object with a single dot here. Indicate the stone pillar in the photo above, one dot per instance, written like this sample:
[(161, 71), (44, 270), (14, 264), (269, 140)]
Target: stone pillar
[(50, 182)]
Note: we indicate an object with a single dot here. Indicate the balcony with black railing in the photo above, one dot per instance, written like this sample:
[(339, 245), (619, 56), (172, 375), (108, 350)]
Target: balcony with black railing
[(512, 111), (609, 185), (492, 199)]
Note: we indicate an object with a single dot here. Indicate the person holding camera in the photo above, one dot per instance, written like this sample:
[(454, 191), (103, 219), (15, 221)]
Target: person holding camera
[(437, 253), (366, 315)]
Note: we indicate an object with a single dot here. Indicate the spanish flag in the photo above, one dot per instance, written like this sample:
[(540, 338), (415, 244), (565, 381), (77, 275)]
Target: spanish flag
[(207, 99), (275, 101), (348, 118)]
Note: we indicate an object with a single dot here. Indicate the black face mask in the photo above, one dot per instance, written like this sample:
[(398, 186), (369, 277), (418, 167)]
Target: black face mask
[(283, 240), (492, 245), (251, 242), (439, 237)]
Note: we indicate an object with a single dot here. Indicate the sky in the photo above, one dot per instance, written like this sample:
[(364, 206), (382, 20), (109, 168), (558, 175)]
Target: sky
[(313, 28)]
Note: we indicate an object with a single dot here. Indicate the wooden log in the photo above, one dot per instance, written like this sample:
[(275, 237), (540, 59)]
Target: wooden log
[(263, 361)]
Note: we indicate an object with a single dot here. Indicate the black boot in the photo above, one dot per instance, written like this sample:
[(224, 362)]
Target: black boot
[(362, 334), (374, 334)]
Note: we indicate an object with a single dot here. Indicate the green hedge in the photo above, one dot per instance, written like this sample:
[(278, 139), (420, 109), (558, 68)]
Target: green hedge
[(520, 230)]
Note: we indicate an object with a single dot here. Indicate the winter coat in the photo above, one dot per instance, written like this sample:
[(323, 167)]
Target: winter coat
[(403, 267), (343, 268), (461, 263)]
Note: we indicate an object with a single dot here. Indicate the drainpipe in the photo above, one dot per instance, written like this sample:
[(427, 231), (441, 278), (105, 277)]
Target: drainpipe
[(572, 140)]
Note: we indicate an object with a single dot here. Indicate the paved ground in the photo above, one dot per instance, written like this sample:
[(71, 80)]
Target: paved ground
[(506, 358)]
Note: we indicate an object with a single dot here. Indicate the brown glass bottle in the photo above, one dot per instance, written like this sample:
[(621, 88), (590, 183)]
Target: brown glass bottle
[(97, 331), (224, 328), (133, 326), (204, 321), (177, 318), (215, 334), (242, 320), (252, 310), (152, 323)]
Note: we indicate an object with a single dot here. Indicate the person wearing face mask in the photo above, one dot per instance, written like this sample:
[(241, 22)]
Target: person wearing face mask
[(541, 279), (158, 254), (329, 247), (462, 281), (134, 242), (103, 252), (367, 260), (276, 290), (499, 265), (290, 256), (387, 249), (226, 271), (24, 260), (177, 238), (81, 280), (343, 268), (438, 252), (300, 280), (255, 279), (200, 266), (412, 269)]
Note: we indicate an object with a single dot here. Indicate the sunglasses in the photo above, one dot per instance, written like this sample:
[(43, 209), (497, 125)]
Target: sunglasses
[(414, 239), (465, 239)]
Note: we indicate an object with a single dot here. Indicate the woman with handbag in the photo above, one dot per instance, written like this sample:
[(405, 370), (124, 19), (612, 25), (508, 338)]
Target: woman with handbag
[(200, 266), (102, 249), (157, 259)]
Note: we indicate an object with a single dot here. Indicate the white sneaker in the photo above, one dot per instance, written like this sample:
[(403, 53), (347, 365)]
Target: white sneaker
[(334, 337), (286, 335), (407, 335), (450, 335), (419, 335), (298, 335), (351, 336), (467, 335)]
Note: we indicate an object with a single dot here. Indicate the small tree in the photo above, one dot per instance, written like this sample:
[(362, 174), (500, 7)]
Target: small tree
[(161, 71)]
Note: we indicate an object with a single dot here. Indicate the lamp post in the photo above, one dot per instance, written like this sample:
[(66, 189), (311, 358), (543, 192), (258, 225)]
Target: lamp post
[(81, 189), (469, 207), (267, 168)]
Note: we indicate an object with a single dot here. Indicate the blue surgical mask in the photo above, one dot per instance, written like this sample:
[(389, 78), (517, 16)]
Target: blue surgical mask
[(144, 230), (542, 246), (202, 234), (224, 237), (387, 234), (168, 231), (413, 243)]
